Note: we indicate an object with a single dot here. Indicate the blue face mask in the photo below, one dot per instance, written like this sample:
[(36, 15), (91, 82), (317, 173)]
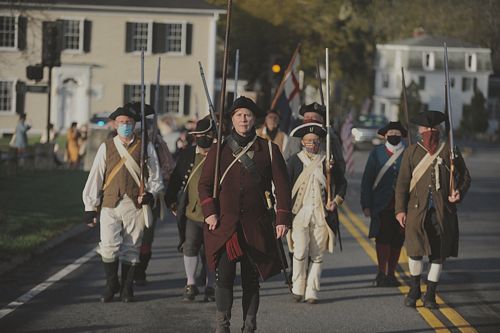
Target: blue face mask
[(125, 130)]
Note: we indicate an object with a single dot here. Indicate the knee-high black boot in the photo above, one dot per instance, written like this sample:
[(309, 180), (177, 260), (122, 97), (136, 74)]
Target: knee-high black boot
[(415, 293), (140, 271), (250, 304), (127, 294), (112, 284), (224, 302), (429, 298)]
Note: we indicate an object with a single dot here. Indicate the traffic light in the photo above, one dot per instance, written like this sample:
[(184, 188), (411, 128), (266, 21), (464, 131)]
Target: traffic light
[(52, 42), (276, 69)]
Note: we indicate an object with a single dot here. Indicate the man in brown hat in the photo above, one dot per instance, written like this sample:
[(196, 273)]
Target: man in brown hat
[(377, 201), (425, 205), (113, 188), (182, 196), (270, 130), (238, 225)]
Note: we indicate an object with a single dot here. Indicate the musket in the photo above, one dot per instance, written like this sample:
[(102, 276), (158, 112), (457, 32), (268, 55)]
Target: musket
[(328, 158), (405, 105), (211, 108), (279, 243), (156, 104), (236, 70), (450, 121), (222, 99), (143, 131)]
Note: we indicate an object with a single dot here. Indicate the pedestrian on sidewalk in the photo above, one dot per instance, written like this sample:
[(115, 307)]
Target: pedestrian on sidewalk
[(426, 207), (311, 234), (20, 137), (377, 201), (182, 196), (72, 146), (238, 224), (113, 188)]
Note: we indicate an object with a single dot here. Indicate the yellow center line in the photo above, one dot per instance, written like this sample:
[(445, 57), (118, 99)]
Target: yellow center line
[(368, 245)]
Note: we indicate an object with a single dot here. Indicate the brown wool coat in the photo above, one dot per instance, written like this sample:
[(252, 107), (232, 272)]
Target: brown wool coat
[(241, 202), (415, 204)]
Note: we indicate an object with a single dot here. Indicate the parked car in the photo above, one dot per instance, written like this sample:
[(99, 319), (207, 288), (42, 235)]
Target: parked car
[(99, 120), (364, 130)]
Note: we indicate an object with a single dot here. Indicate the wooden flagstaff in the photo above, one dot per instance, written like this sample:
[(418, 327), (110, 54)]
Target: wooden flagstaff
[(328, 127), (318, 76), (285, 76), (236, 73), (222, 99), (405, 105), (450, 121), (143, 130)]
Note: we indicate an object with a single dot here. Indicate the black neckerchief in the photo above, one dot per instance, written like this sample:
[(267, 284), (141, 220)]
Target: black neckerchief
[(272, 134), (242, 141)]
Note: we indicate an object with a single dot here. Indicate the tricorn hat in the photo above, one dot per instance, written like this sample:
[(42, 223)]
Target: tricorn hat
[(246, 103), (396, 125), (307, 128), (204, 126), (313, 107), (136, 106), (123, 111), (429, 118)]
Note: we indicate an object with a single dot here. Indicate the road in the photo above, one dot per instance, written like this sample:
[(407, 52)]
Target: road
[(469, 293)]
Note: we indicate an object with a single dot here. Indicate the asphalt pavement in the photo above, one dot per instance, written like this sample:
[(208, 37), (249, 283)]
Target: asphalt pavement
[(469, 292)]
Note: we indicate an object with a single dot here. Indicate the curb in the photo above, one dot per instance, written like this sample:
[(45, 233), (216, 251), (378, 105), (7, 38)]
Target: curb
[(70, 232)]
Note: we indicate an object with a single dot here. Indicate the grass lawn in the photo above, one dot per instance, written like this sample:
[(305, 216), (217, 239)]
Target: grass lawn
[(35, 206)]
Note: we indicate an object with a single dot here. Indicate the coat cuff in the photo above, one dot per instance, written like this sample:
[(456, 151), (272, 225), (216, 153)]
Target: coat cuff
[(338, 200), (283, 217), (208, 207)]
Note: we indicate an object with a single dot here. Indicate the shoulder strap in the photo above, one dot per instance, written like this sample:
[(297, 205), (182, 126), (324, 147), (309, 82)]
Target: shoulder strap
[(117, 168), (241, 156), (306, 173), (422, 167), (131, 165), (386, 167)]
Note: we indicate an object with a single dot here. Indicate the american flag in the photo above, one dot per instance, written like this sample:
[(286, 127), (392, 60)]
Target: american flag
[(347, 144), (286, 100)]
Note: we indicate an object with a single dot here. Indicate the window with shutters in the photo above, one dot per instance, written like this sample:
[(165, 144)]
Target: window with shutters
[(470, 62), (139, 36), (133, 93), (7, 96), (175, 37), (172, 99), (72, 35), (8, 32), (428, 61)]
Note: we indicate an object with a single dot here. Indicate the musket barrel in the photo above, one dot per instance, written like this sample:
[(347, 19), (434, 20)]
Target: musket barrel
[(405, 105), (211, 108), (328, 126)]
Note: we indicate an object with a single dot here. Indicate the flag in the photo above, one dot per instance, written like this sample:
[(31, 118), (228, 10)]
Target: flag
[(286, 100), (348, 144)]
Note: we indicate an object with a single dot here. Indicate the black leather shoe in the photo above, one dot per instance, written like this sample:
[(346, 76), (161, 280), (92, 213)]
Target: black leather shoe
[(297, 298), (391, 281), (209, 294), (190, 292), (415, 293), (429, 298), (380, 280)]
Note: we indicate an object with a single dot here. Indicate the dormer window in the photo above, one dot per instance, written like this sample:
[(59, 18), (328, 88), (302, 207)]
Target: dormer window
[(470, 62), (428, 61)]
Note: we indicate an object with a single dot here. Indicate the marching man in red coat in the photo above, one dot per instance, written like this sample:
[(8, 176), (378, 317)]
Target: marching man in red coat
[(238, 225)]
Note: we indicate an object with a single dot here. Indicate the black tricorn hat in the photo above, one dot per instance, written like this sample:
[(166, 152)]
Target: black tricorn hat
[(429, 118), (307, 128), (396, 125), (204, 126), (313, 107), (246, 103), (136, 106), (123, 111)]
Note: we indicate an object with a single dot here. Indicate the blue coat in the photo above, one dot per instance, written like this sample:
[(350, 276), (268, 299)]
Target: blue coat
[(380, 197)]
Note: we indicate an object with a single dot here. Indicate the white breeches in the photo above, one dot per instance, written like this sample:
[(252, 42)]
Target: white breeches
[(121, 232), (309, 242)]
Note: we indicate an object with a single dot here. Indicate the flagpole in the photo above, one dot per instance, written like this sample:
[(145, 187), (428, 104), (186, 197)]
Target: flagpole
[(236, 69), (285, 75)]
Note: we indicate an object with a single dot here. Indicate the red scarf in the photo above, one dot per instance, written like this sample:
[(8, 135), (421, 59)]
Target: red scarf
[(430, 141)]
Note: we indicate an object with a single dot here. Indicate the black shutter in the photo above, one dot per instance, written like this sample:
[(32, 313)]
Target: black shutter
[(129, 37), (189, 38), (187, 98), (159, 37), (20, 96), (126, 93), (22, 23), (87, 34)]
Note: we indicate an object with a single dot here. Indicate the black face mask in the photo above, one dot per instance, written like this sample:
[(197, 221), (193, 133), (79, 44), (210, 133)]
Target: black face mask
[(204, 141), (394, 139)]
